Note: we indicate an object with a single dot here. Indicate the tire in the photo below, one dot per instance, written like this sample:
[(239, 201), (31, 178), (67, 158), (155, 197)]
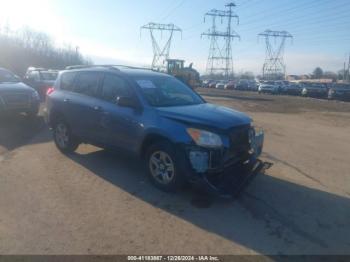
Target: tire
[(171, 177), (63, 137)]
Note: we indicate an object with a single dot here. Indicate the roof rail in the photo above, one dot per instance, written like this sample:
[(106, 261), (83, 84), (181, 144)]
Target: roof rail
[(115, 67), (78, 67), (133, 67), (32, 68)]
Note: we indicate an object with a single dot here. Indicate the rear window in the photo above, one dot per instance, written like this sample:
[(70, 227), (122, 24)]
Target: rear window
[(48, 76), (67, 81)]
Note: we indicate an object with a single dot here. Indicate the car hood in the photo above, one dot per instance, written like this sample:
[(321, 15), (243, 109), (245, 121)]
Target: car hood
[(15, 87), (206, 115)]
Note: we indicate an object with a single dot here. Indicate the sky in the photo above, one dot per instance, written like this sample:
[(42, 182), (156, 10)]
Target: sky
[(108, 31)]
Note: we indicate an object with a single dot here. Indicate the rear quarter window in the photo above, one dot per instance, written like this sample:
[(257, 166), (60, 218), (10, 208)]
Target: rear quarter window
[(87, 83), (67, 81)]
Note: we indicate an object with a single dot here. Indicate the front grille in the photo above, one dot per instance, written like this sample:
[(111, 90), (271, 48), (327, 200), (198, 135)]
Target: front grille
[(239, 140), (16, 100)]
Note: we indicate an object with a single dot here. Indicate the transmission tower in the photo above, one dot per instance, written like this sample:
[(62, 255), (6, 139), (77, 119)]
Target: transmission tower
[(274, 66), (161, 53), (220, 54)]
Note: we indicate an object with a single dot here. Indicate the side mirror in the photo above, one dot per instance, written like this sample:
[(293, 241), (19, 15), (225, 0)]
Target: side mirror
[(126, 101)]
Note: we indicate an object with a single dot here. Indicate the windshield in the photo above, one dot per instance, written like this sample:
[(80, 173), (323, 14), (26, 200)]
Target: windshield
[(167, 91), (269, 83), (49, 75), (7, 76)]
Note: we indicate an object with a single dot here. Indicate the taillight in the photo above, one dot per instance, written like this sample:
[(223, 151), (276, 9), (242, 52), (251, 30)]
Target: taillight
[(50, 90)]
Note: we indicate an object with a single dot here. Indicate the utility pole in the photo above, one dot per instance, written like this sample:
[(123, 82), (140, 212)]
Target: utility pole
[(349, 69), (160, 53), (274, 66), (220, 57)]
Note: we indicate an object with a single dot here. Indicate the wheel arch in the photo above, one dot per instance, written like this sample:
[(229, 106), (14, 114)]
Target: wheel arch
[(54, 116), (150, 139)]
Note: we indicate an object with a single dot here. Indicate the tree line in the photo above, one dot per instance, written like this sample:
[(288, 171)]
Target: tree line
[(26, 47)]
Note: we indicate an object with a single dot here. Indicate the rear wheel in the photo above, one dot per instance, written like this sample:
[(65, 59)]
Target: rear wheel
[(63, 137), (163, 167)]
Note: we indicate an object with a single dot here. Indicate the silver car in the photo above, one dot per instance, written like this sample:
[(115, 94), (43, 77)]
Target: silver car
[(270, 87), (220, 85)]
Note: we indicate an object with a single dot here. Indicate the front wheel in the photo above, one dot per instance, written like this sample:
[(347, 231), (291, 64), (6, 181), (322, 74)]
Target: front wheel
[(163, 167), (64, 139)]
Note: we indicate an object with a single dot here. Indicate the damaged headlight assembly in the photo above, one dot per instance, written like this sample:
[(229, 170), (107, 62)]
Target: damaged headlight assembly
[(256, 139), (205, 138), (200, 159)]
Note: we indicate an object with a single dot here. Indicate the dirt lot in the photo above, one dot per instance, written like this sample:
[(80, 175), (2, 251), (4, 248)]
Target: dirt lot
[(96, 202)]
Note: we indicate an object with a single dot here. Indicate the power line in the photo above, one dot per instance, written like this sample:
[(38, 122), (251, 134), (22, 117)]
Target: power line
[(299, 22), (173, 10)]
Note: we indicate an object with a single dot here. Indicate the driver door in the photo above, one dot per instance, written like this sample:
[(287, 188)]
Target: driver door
[(120, 125)]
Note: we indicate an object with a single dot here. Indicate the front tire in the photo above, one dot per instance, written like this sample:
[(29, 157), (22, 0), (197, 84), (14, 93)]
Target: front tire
[(63, 137), (164, 168)]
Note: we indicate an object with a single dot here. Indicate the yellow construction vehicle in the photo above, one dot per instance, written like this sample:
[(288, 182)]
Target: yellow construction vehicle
[(188, 75)]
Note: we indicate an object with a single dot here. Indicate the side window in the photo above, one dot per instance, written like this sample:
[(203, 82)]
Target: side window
[(113, 87), (87, 83), (34, 75), (67, 81)]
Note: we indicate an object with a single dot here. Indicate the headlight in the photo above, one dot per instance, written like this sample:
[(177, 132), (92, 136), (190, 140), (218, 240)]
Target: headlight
[(204, 138)]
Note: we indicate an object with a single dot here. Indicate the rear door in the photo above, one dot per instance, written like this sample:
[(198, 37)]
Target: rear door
[(81, 104)]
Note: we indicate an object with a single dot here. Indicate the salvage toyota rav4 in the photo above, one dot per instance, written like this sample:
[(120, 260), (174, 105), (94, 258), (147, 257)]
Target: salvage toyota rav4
[(180, 137)]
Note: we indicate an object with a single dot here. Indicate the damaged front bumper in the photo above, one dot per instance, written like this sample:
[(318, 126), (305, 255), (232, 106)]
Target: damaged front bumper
[(225, 174)]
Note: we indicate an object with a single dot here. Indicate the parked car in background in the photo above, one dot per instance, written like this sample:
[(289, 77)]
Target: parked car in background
[(243, 84), (15, 96), (282, 86), (180, 137), (230, 85), (40, 79), (206, 83), (318, 90), (339, 92), (220, 85), (270, 87), (293, 89), (252, 85), (212, 84)]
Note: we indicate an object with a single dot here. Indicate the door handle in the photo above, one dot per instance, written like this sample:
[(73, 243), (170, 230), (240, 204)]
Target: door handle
[(66, 100), (97, 108)]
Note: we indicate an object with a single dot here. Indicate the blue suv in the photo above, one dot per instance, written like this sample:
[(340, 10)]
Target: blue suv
[(179, 136)]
